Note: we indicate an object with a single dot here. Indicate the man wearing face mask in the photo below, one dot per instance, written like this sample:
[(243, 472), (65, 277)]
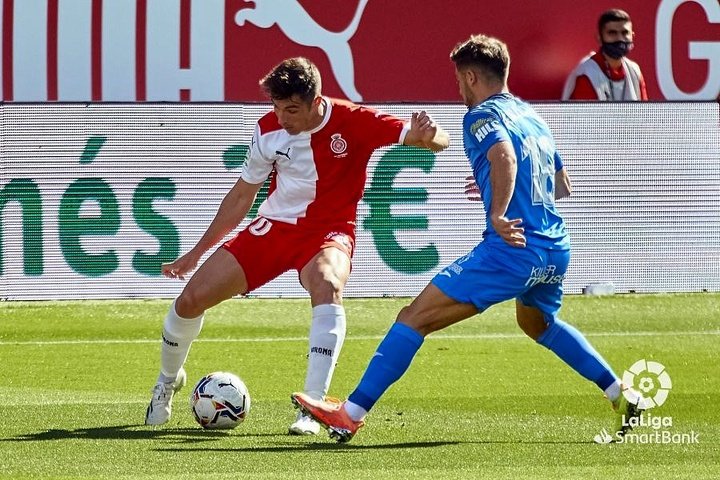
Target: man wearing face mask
[(608, 75)]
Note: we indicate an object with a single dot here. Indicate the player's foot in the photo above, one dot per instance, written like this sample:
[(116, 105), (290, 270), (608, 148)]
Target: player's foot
[(629, 406), (330, 414), (304, 425), (160, 408)]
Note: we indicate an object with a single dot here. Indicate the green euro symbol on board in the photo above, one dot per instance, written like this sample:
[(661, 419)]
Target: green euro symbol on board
[(383, 224)]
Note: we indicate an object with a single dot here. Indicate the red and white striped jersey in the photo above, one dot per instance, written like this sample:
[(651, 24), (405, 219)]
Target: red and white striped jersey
[(320, 174)]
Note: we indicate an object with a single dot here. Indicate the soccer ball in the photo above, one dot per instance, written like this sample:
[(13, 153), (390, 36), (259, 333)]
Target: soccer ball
[(220, 400)]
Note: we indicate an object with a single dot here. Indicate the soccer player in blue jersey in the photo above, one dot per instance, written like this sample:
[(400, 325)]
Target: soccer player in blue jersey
[(523, 255)]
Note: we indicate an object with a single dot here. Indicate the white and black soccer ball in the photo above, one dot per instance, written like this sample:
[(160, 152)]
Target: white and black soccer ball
[(220, 400)]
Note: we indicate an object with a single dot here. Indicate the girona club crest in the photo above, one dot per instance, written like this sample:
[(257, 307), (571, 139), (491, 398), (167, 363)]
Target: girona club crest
[(338, 144)]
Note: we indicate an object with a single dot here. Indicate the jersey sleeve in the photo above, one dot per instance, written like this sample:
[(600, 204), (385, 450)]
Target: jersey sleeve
[(257, 166), (484, 129), (382, 128), (558, 162)]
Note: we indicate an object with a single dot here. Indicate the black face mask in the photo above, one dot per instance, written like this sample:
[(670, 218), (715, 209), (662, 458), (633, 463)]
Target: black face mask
[(617, 49)]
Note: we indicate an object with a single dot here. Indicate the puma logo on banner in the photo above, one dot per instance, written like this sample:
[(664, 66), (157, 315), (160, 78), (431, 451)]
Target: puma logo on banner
[(297, 24)]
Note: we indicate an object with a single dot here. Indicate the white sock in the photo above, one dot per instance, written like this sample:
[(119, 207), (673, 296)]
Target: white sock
[(327, 334), (177, 336), (355, 411), (613, 391)]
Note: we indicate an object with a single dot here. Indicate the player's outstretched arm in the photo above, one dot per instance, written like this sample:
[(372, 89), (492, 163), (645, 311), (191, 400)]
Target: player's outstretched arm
[(233, 209), (425, 133)]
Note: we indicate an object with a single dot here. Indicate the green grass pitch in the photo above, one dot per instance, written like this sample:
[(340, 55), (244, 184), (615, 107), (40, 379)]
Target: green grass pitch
[(479, 401)]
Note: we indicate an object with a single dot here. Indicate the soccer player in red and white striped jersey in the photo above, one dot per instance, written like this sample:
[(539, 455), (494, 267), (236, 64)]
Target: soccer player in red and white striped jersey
[(317, 150)]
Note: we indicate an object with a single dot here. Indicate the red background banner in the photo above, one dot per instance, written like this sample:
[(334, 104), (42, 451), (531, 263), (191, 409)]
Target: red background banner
[(367, 50), (401, 48)]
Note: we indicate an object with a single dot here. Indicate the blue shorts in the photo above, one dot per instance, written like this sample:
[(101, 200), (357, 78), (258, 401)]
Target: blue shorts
[(492, 273)]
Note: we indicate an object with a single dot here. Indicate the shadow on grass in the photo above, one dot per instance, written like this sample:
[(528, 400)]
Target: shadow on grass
[(335, 447), (195, 436), (349, 448), (130, 432)]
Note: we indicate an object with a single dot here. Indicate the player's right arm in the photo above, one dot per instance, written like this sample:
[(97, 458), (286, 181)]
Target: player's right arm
[(232, 211), (503, 169)]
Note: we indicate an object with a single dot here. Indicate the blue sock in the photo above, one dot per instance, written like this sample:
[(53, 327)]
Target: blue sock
[(572, 347), (392, 358)]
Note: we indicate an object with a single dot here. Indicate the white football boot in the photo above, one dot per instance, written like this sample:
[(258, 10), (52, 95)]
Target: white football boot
[(304, 425), (160, 408)]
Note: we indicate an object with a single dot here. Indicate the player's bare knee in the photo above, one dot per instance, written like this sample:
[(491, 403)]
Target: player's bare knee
[(405, 315), (326, 289), (187, 304), (416, 319), (334, 284)]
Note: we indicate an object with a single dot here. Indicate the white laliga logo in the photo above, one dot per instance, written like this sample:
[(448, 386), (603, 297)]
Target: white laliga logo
[(297, 24), (651, 380)]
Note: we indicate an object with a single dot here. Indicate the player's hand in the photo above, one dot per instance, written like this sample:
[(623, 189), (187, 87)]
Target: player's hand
[(180, 267), (510, 231), (422, 127), (472, 191)]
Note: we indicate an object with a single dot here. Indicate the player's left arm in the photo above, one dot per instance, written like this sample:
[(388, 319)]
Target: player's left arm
[(563, 187), (424, 132)]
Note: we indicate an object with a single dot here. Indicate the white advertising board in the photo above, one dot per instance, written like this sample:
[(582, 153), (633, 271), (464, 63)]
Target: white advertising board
[(94, 197)]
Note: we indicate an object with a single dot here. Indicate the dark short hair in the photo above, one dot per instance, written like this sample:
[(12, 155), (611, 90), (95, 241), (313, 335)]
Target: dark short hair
[(487, 54), (293, 76), (612, 15)]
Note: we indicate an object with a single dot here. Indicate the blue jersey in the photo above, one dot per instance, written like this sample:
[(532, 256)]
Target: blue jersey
[(504, 117)]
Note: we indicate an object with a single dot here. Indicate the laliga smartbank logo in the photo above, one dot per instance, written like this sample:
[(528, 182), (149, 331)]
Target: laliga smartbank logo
[(650, 380), (648, 385)]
